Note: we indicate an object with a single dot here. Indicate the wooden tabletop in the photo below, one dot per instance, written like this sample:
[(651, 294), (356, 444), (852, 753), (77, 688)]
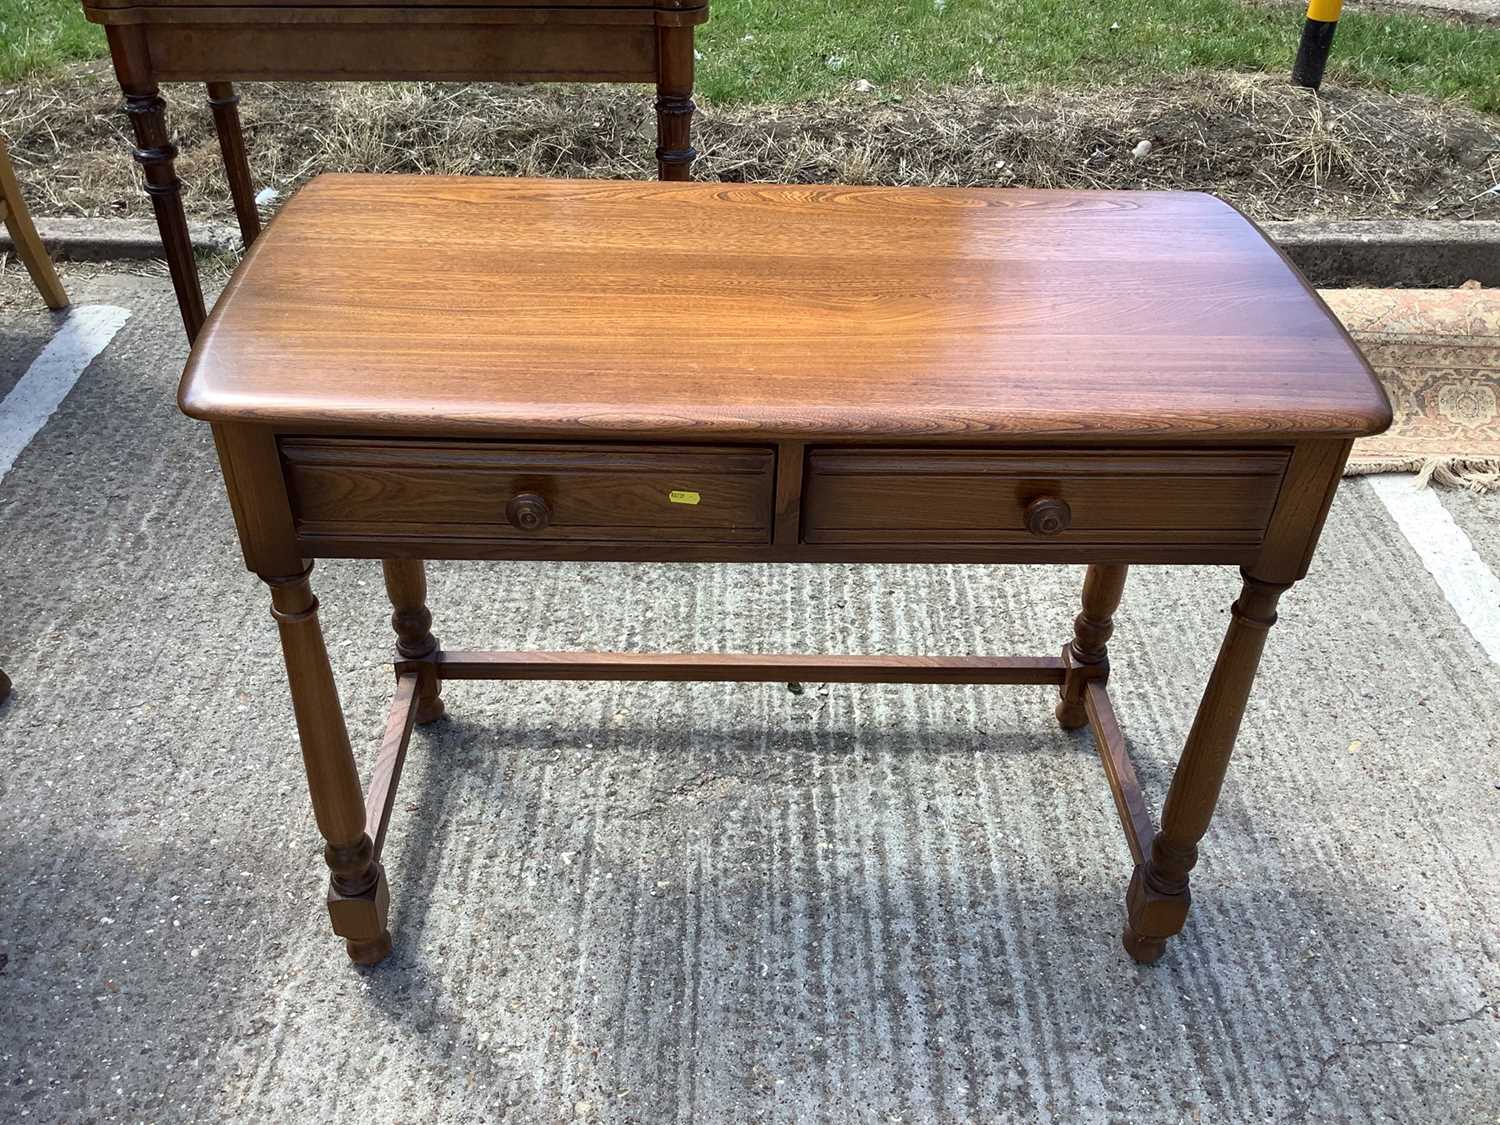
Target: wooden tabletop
[(510, 307)]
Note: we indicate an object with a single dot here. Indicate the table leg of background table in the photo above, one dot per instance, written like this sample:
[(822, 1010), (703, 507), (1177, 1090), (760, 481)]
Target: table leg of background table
[(226, 107), (1086, 656), (406, 585), (674, 103), (358, 899), (1157, 902), (23, 235), (155, 153)]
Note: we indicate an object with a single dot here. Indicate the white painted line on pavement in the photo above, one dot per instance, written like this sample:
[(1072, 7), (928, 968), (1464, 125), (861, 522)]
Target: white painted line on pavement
[(51, 376), (1448, 554)]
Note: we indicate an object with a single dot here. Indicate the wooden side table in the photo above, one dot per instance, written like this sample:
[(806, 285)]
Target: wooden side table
[(220, 42), (715, 372)]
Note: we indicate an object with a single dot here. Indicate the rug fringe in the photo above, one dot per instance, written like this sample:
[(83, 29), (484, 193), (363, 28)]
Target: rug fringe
[(1476, 474)]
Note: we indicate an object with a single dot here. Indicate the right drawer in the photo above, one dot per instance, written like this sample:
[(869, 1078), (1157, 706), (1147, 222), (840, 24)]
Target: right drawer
[(935, 496)]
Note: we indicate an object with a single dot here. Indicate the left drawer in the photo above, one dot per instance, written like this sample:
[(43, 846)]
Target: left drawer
[(343, 488)]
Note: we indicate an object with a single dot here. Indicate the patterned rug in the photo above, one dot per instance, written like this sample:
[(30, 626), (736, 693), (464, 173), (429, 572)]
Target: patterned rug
[(1437, 351)]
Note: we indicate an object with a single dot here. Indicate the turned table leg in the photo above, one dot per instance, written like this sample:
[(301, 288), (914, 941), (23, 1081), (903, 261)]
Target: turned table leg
[(1085, 654), (406, 585), (1157, 903), (155, 153), (226, 107), (358, 899), (674, 103)]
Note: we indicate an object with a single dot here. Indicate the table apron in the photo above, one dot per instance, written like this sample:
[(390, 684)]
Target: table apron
[(1236, 554), (370, 52)]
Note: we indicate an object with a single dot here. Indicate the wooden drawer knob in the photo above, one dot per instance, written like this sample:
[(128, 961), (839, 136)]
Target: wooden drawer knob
[(1047, 515), (528, 512)]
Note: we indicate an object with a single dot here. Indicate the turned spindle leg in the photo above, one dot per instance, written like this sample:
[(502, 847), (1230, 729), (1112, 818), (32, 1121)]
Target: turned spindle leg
[(1157, 903), (674, 103), (358, 899), (226, 107), (1085, 654), (406, 585), (155, 153)]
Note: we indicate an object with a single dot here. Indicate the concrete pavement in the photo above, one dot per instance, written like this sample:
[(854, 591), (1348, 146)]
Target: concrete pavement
[(714, 903)]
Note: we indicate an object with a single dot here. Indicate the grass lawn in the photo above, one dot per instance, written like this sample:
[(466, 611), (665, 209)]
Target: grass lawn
[(783, 50), (800, 47), (38, 35)]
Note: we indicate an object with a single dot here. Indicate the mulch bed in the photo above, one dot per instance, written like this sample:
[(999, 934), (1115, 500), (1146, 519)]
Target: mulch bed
[(1276, 151)]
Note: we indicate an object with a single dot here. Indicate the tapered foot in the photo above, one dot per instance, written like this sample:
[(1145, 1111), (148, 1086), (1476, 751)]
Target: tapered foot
[(1071, 715), (358, 904), (430, 709), (369, 952), (1153, 912), (1143, 950)]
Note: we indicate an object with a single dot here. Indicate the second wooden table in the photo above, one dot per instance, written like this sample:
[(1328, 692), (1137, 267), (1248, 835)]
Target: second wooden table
[(224, 41)]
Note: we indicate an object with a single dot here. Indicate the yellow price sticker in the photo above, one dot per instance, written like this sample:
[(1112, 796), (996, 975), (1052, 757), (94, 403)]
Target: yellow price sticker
[(683, 496)]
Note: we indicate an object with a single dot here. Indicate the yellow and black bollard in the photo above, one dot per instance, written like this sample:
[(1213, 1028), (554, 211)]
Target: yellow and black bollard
[(1317, 37)]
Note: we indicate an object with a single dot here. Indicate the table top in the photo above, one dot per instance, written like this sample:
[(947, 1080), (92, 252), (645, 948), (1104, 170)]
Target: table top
[(505, 307)]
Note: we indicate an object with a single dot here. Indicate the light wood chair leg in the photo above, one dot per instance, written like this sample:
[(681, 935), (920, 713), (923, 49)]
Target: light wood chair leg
[(1085, 655), (358, 897), (406, 585), (226, 106), (674, 103), (1157, 903), (29, 246)]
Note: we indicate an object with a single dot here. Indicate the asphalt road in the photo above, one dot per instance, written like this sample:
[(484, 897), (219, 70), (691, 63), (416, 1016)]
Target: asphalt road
[(713, 903)]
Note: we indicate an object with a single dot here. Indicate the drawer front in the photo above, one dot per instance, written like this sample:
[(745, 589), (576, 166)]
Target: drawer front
[(351, 488), (958, 496)]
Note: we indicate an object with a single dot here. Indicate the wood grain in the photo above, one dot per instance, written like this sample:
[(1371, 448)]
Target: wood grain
[(854, 496), (382, 50), (390, 759), (1130, 804), (225, 102), (680, 310), (708, 667), (599, 493)]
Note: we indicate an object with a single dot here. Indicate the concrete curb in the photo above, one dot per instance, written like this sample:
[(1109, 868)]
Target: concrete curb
[(1376, 254), (109, 240), (1463, 11), (1380, 254)]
